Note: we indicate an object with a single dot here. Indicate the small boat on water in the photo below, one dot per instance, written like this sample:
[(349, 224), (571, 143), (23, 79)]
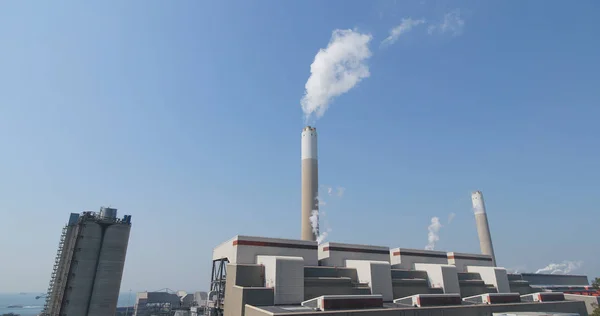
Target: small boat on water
[(14, 306)]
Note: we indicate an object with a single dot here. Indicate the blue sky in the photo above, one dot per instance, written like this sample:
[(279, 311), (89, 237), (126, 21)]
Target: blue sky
[(186, 115)]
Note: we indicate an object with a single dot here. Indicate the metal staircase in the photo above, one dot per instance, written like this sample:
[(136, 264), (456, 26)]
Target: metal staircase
[(49, 295)]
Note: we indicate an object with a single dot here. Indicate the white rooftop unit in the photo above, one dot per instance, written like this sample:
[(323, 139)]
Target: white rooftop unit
[(335, 254), (245, 249), (462, 260), (543, 297), (403, 258)]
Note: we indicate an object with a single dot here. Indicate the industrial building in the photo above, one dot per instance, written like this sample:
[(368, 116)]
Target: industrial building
[(87, 271), (167, 302), (258, 276), (255, 276)]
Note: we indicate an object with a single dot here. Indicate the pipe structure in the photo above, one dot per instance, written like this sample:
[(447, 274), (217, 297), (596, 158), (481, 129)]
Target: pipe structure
[(483, 228), (310, 183)]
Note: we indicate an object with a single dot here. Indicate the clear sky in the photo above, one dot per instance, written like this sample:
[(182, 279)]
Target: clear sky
[(187, 115)]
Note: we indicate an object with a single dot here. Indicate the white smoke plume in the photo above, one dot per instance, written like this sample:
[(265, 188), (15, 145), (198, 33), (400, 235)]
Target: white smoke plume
[(405, 26), (452, 24), (314, 222), (335, 70), (339, 191), (433, 235), (565, 267), (451, 217)]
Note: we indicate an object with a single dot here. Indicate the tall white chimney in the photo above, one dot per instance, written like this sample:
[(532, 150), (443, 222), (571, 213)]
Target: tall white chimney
[(310, 181), (483, 228)]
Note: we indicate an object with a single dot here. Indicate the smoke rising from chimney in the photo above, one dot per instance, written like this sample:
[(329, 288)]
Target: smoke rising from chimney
[(339, 191), (318, 218), (565, 267), (335, 70), (433, 235), (451, 217)]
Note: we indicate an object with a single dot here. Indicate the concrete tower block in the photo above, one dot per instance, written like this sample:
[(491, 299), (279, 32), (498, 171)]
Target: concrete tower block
[(335, 254), (492, 275), (402, 258), (442, 276), (285, 275), (377, 274)]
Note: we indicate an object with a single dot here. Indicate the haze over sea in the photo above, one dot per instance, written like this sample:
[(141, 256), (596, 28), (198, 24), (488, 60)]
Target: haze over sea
[(32, 307)]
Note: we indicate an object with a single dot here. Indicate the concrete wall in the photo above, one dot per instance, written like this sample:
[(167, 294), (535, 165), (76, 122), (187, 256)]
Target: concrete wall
[(402, 258), (109, 271), (441, 276), (591, 302), (226, 250), (245, 249), (245, 285), (336, 254), (555, 279), (330, 272), (377, 274), (462, 260), (83, 269), (470, 310), (315, 287), (285, 275), (410, 282), (493, 276)]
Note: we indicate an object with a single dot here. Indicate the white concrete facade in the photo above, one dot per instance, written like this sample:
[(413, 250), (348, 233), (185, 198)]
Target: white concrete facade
[(377, 274), (245, 249), (335, 254), (403, 258), (441, 276), (494, 276), (462, 260), (285, 275)]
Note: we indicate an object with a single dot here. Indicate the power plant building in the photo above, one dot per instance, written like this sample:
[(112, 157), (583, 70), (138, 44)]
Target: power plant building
[(259, 276), (88, 268)]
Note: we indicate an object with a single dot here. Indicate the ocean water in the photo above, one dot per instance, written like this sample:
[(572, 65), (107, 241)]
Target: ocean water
[(32, 307)]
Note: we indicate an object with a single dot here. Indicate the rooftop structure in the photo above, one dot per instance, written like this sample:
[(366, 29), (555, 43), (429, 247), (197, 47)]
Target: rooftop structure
[(167, 302), (258, 276), (87, 272)]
